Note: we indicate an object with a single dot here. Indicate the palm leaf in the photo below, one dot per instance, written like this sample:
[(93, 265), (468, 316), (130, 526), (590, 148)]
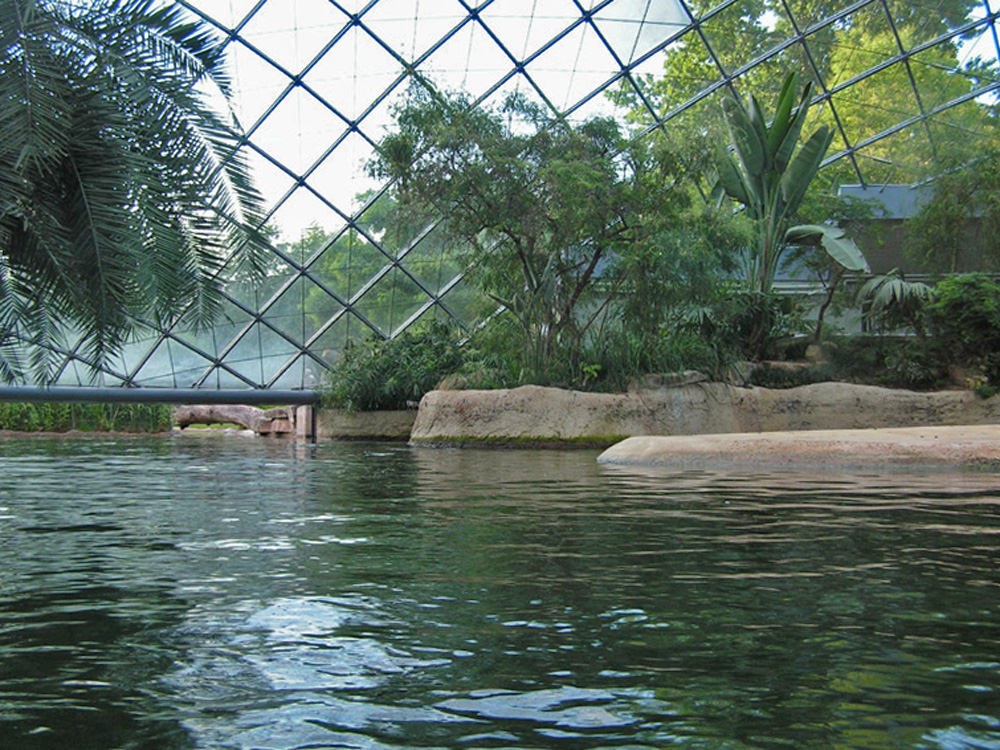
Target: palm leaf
[(834, 240), (782, 116), (122, 189)]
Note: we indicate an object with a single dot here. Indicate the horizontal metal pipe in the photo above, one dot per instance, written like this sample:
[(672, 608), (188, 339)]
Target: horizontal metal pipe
[(158, 395)]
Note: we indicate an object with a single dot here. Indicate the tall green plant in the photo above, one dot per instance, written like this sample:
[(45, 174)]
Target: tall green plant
[(542, 206), (122, 191), (769, 176)]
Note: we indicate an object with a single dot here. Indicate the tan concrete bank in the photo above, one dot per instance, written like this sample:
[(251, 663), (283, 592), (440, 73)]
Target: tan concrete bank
[(975, 445), (531, 413)]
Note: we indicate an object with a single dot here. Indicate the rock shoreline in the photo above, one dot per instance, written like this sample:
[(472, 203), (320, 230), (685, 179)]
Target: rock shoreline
[(533, 413), (689, 423)]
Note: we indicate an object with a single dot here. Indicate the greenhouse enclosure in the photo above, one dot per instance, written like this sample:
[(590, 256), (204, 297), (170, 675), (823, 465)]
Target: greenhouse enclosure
[(909, 90)]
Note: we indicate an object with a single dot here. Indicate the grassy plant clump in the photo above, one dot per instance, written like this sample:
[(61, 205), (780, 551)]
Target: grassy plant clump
[(66, 417), (379, 375), (624, 354)]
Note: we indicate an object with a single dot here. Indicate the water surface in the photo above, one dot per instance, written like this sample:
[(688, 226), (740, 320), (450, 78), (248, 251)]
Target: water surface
[(232, 593)]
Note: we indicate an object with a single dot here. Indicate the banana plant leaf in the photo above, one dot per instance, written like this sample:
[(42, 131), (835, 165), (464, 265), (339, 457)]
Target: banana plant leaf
[(837, 244)]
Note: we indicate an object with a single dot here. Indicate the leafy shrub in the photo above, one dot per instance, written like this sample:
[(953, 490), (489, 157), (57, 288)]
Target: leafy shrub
[(894, 362), (743, 324), (965, 313), (982, 387), (915, 365), (381, 375), (621, 354)]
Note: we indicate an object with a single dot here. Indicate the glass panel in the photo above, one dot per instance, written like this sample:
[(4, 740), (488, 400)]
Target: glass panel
[(434, 261), (921, 21), (172, 365), (861, 43), (257, 354), (940, 78), (329, 345), (736, 36), (470, 61), (524, 26), (963, 133), (635, 27), (687, 69), (287, 312), (342, 176), (258, 84), (901, 158), (346, 266), (877, 104), (807, 14), (392, 301), (272, 182), (301, 373), (411, 27), (468, 304), (575, 66), (293, 32), (352, 73), (301, 210), (298, 131), (517, 84), (227, 12)]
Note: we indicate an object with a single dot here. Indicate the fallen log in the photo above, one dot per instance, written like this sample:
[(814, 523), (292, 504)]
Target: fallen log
[(249, 417)]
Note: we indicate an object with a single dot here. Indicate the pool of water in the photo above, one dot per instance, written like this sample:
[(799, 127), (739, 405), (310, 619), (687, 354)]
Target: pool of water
[(232, 593)]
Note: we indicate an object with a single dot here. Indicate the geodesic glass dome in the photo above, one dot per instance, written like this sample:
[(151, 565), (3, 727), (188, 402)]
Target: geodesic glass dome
[(909, 87)]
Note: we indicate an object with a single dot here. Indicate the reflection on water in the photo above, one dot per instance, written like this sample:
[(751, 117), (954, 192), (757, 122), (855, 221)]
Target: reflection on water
[(250, 594)]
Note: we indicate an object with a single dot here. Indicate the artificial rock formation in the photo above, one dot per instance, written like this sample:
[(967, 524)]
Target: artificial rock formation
[(277, 421), (533, 413)]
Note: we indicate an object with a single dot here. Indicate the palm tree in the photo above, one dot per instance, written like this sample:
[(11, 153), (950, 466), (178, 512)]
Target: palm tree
[(122, 193)]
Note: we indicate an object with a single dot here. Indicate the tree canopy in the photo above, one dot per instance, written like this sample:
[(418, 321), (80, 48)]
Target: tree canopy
[(541, 206), (886, 48)]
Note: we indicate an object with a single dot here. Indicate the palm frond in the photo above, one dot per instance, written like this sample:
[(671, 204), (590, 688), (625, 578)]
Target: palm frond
[(123, 191)]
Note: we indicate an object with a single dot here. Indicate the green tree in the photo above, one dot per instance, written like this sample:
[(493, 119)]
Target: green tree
[(121, 189), (957, 229), (542, 207), (857, 44)]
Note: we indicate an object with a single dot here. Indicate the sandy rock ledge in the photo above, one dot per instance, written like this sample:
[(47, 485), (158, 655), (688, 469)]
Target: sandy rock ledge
[(536, 414), (966, 445)]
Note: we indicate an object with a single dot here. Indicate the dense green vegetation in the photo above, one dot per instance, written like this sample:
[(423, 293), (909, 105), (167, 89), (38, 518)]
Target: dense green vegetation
[(64, 417), (596, 250), (389, 374), (604, 261), (936, 336)]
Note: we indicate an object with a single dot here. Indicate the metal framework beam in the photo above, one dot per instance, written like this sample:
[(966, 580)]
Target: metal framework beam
[(36, 394)]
